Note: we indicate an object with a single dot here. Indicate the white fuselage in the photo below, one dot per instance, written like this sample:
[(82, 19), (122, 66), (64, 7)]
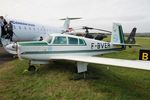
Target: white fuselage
[(45, 50), (29, 32)]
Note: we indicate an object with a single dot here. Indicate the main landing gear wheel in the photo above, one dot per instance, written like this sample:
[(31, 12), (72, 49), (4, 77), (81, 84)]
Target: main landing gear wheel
[(32, 68)]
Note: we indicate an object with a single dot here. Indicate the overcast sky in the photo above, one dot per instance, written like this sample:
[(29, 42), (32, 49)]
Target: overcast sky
[(95, 13)]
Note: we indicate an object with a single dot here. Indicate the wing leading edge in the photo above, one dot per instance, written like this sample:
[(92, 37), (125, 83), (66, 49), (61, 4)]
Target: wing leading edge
[(145, 65)]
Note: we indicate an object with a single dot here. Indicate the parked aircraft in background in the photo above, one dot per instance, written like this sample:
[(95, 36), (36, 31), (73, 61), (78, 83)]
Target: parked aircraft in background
[(15, 30)]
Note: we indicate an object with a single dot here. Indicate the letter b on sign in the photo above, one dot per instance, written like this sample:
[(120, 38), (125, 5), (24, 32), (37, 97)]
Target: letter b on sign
[(144, 55)]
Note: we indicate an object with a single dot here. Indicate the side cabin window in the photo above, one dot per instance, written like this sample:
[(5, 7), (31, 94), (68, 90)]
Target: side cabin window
[(82, 42), (60, 40), (73, 41), (20, 27), (25, 27)]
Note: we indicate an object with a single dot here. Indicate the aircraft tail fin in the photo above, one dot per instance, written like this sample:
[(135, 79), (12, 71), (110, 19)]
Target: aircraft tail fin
[(67, 23), (131, 38), (117, 36), (118, 39)]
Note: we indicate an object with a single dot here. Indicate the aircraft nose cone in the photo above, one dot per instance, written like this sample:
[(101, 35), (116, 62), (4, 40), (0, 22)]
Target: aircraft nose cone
[(11, 47)]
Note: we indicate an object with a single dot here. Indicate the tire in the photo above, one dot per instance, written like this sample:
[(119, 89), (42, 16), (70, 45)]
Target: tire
[(31, 68)]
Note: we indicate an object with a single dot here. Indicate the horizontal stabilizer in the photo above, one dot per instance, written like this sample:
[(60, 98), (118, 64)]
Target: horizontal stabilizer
[(71, 18), (127, 44)]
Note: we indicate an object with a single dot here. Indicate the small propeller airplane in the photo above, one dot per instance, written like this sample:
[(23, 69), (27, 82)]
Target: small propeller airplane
[(82, 50)]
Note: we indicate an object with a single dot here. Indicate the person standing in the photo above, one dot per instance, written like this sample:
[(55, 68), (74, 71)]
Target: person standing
[(2, 25)]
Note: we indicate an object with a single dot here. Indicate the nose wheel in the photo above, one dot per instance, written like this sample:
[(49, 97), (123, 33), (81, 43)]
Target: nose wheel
[(31, 68)]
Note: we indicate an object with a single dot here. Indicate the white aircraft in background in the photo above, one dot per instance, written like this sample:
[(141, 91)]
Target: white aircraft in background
[(15, 30), (78, 49)]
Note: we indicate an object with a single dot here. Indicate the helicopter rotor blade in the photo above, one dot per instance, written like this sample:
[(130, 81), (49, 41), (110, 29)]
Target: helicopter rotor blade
[(102, 30)]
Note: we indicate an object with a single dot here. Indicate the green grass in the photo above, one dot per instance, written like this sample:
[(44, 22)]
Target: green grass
[(52, 82)]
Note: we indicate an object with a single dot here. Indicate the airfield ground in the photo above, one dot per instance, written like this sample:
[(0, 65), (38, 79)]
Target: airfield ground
[(52, 82), (4, 56)]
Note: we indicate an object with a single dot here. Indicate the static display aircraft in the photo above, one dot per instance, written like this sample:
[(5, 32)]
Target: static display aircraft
[(12, 30), (78, 49)]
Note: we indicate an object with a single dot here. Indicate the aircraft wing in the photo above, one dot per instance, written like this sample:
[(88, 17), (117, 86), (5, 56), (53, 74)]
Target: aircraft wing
[(145, 65)]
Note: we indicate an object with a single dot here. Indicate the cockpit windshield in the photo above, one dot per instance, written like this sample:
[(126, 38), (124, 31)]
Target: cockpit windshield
[(50, 39), (60, 40)]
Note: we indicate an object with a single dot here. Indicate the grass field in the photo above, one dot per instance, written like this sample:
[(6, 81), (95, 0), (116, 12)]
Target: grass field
[(52, 82)]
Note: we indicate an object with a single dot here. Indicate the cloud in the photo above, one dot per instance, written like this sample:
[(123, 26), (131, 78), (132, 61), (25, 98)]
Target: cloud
[(94, 12)]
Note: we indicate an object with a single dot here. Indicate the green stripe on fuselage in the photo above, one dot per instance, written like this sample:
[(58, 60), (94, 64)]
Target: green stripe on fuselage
[(77, 51), (33, 43)]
